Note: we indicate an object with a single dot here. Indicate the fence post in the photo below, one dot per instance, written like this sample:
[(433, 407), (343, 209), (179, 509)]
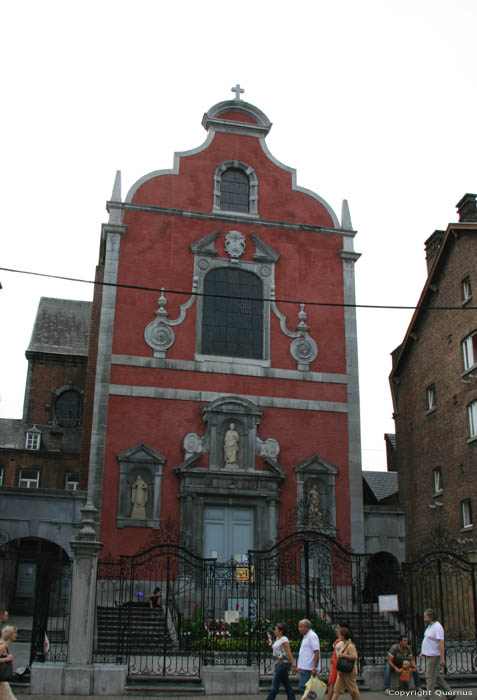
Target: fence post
[(307, 579), (83, 590)]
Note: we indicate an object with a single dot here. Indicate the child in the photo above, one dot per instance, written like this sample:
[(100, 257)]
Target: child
[(405, 674)]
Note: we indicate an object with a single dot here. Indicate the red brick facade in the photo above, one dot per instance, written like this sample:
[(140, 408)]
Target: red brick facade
[(156, 402)]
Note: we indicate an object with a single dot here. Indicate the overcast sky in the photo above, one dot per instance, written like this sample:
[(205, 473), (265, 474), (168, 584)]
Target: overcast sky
[(370, 101)]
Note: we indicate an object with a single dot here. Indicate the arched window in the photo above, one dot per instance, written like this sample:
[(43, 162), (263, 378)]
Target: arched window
[(232, 327), (235, 188), (68, 408)]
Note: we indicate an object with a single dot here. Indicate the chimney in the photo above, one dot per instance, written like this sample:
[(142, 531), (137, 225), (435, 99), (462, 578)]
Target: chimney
[(467, 208), (432, 245)]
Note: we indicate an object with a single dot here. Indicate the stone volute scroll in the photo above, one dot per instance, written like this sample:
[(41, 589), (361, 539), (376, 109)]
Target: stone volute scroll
[(303, 348), (158, 334)]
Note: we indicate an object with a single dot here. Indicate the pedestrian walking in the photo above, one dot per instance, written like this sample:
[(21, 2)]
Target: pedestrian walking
[(9, 634), (433, 649), (284, 662), (309, 657), (346, 680)]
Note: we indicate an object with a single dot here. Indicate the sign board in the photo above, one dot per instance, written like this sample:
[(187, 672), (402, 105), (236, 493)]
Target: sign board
[(242, 573), (232, 616), (388, 603)]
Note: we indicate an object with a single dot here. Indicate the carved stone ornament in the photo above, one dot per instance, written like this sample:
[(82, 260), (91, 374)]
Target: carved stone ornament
[(235, 244), (193, 444), (268, 448), (304, 350), (158, 334)]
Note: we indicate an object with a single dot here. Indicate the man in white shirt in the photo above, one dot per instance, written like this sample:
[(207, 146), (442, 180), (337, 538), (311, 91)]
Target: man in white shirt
[(309, 657), (434, 651)]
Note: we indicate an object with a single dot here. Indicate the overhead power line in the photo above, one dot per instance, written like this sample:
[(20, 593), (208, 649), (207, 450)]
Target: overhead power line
[(229, 296)]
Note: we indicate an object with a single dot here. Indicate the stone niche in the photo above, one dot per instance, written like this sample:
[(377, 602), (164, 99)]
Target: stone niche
[(245, 417), (140, 465), (315, 486), (220, 484)]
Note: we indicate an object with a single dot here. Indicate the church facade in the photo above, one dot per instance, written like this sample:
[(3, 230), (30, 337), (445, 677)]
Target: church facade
[(226, 394)]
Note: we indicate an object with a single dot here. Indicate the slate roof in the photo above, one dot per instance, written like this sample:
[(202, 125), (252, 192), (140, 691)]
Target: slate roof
[(12, 432), (61, 327), (391, 438), (382, 484)]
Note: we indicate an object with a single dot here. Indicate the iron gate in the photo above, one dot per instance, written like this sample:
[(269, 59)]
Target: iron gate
[(446, 582), (213, 613), (309, 574)]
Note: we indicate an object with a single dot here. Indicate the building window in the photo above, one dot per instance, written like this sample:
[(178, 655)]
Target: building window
[(232, 327), (469, 350), (431, 397), (29, 479), (473, 419), (33, 440), (68, 408), (437, 475), (466, 290), (466, 513), (72, 481), (235, 188), (1, 475)]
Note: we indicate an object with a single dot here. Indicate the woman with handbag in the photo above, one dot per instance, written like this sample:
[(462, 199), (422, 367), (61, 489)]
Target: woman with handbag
[(334, 660), (284, 662), (9, 634), (347, 667)]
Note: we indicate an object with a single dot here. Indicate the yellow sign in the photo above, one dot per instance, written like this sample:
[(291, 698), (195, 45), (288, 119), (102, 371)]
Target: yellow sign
[(243, 573)]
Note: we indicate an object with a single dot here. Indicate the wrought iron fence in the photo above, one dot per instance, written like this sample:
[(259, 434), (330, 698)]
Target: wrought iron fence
[(446, 582), (220, 613)]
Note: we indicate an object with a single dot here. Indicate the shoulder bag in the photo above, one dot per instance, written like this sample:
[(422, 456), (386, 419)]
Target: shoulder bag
[(345, 665), (6, 669)]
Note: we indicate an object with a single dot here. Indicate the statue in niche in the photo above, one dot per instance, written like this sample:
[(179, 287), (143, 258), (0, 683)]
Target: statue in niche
[(139, 498), (315, 516), (231, 443)]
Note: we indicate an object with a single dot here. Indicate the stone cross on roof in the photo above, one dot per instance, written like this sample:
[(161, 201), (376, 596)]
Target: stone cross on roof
[(238, 90)]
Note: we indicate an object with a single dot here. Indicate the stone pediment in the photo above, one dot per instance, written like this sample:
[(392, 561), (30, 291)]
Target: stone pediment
[(206, 245), (316, 465), (263, 252), (141, 453)]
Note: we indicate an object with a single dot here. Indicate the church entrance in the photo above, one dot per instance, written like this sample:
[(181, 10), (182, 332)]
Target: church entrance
[(228, 533)]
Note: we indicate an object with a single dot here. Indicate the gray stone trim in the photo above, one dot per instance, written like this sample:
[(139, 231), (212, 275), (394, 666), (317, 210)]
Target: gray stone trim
[(233, 367), (211, 119), (153, 392), (296, 187), (252, 185), (266, 274), (354, 427), (103, 367), (315, 469), (237, 217), (172, 171)]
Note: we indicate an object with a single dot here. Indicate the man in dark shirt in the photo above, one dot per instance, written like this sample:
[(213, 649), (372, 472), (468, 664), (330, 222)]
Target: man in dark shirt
[(396, 655)]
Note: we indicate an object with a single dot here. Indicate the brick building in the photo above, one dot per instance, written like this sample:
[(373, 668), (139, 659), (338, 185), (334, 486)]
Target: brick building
[(40, 453), (434, 389), (225, 413)]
